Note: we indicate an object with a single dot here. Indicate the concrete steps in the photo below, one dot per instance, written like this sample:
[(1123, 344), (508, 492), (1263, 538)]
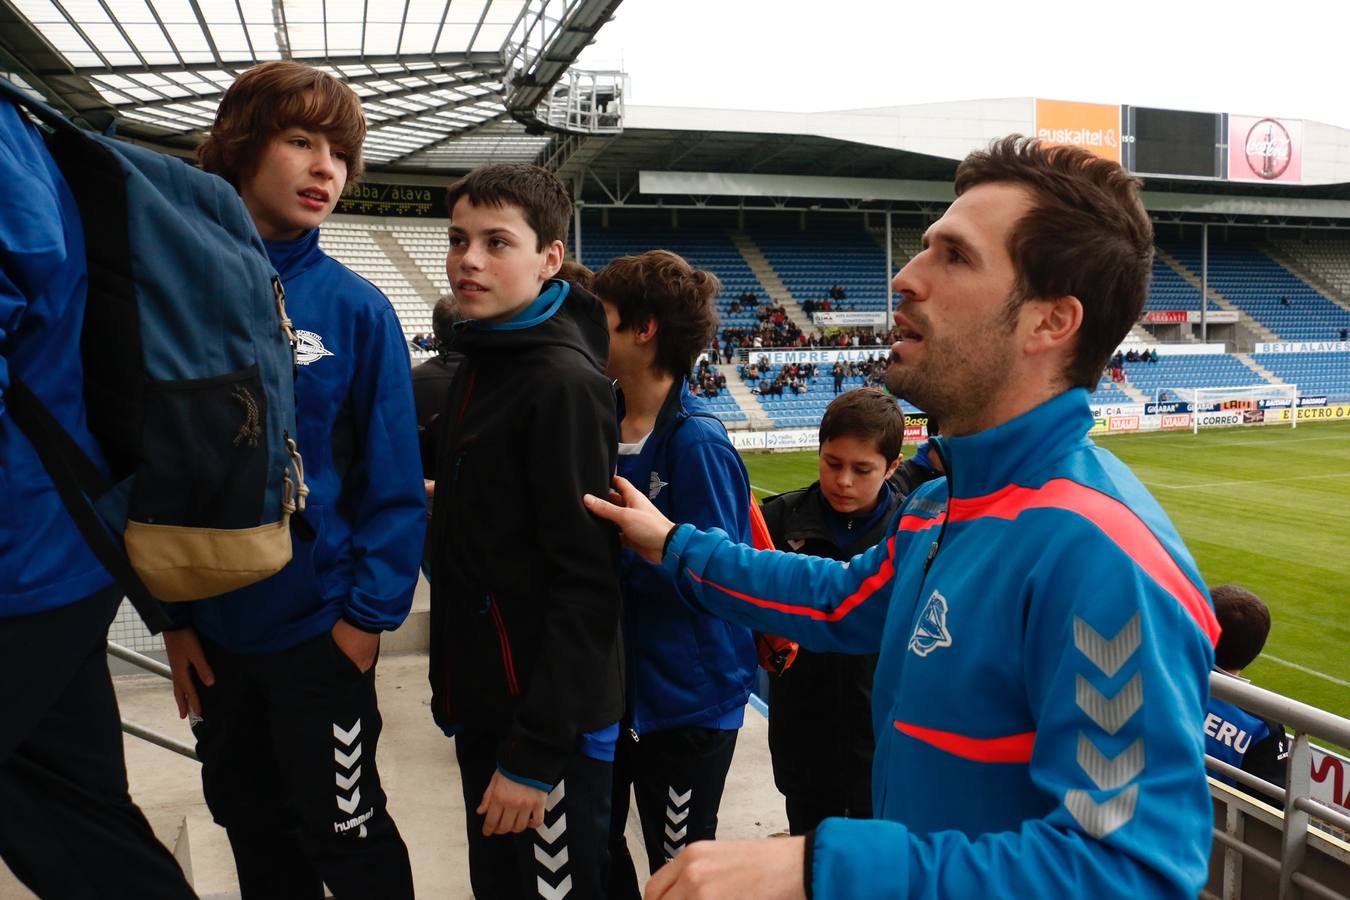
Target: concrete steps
[(406, 265), (1259, 369), (1255, 331), (1306, 273), (778, 291)]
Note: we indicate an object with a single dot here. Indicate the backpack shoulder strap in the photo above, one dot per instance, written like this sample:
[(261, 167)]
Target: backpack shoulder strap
[(42, 111), (77, 479)]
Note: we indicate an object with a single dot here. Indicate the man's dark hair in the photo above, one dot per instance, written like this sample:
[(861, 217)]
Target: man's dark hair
[(868, 414), (1087, 235), (444, 315), (1245, 621), (537, 192), (660, 285), (578, 274)]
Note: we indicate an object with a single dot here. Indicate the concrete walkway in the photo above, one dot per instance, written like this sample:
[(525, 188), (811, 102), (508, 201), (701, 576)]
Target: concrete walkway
[(417, 765)]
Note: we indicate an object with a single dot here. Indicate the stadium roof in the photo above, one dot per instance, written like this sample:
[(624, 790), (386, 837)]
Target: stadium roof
[(446, 84)]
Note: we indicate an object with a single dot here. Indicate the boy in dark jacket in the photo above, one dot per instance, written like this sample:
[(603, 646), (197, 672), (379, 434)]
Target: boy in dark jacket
[(282, 673), (689, 673), (820, 725), (525, 662)]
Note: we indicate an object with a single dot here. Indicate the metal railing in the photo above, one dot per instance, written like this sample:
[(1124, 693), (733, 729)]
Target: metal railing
[(149, 664), (1298, 805)]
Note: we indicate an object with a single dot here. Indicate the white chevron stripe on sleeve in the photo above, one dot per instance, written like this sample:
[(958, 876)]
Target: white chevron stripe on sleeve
[(1106, 655), (1110, 774), (680, 799), (347, 760), (349, 806), (1110, 714), (1100, 819)]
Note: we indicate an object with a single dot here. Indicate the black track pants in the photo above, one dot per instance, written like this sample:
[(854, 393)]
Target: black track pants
[(566, 858), (68, 827), (287, 742), (677, 777)]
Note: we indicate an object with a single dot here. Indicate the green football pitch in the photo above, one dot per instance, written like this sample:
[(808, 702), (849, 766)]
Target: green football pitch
[(1268, 508)]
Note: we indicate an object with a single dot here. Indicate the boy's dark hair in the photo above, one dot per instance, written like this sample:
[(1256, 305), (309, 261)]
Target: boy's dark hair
[(1245, 621), (867, 414), (575, 272), (538, 193), (661, 285), (444, 315), (1087, 235), (270, 98)]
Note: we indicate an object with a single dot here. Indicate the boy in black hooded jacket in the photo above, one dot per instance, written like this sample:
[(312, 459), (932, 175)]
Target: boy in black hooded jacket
[(525, 660)]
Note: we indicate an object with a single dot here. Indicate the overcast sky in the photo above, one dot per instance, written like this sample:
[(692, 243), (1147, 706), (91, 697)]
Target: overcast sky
[(1288, 59)]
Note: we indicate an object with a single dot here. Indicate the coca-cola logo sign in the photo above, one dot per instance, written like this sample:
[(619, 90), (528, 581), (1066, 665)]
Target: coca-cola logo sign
[(1269, 149), (1265, 149)]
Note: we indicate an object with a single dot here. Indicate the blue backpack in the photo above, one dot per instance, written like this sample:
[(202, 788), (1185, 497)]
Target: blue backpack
[(189, 378)]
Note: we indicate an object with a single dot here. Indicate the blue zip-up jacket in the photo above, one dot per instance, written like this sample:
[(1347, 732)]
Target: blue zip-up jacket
[(1045, 644), (358, 436), (44, 562), (685, 667)]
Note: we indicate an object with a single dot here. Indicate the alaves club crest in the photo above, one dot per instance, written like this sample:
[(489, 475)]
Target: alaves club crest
[(654, 486), (930, 632), (309, 347)]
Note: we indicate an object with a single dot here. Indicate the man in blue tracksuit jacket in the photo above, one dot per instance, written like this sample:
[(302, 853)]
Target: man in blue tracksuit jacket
[(69, 827), (1043, 633), (282, 672), (689, 673)]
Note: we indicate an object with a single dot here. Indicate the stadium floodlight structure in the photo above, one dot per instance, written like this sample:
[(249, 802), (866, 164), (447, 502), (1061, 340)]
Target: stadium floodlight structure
[(445, 86), (1221, 407)]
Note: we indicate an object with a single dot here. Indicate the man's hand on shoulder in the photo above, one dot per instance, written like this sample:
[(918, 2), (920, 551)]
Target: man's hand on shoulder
[(769, 869), (641, 525)]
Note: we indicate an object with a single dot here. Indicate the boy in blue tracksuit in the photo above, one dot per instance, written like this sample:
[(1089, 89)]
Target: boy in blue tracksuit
[(282, 673), (69, 827), (1042, 630), (689, 673)]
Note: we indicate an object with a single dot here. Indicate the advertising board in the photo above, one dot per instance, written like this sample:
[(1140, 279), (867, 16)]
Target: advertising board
[(877, 319), (1092, 126), (1265, 149)]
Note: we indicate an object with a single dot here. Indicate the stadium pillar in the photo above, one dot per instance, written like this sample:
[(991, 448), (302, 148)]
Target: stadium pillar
[(576, 219), (1204, 282), (890, 263)]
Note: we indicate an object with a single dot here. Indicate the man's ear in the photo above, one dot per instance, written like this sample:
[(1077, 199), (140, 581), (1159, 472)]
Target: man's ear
[(553, 260), (1053, 323), (895, 464)]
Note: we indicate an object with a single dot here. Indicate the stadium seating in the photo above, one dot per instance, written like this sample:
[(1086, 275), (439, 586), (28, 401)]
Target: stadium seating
[(1326, 255), (1255, 283), (793, 410), (353, 244), (1315, 374), (810, 262), (1168, 290), (705, 248), (1172, 372)]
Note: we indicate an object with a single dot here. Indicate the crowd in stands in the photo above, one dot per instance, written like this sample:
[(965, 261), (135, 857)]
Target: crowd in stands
[(707, 381), (1117, 365), (425, 342), (797, 378)]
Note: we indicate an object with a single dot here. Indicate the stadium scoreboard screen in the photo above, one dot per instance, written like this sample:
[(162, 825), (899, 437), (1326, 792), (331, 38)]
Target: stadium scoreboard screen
[(417, 201), (1173, 142)]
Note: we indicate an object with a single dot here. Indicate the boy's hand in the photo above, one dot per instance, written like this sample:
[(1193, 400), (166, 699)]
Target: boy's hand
[(509, 807), (359, 646), (641, 525), (729, 870), (185, 654)]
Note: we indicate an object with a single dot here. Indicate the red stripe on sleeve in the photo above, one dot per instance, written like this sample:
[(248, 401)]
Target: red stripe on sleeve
[(865, 590), (1116, 520), (1013, 748)]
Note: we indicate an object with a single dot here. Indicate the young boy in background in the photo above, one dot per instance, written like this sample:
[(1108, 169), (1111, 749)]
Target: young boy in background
[(282, 673), (820, 723), (689, 673), (526, 670)]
